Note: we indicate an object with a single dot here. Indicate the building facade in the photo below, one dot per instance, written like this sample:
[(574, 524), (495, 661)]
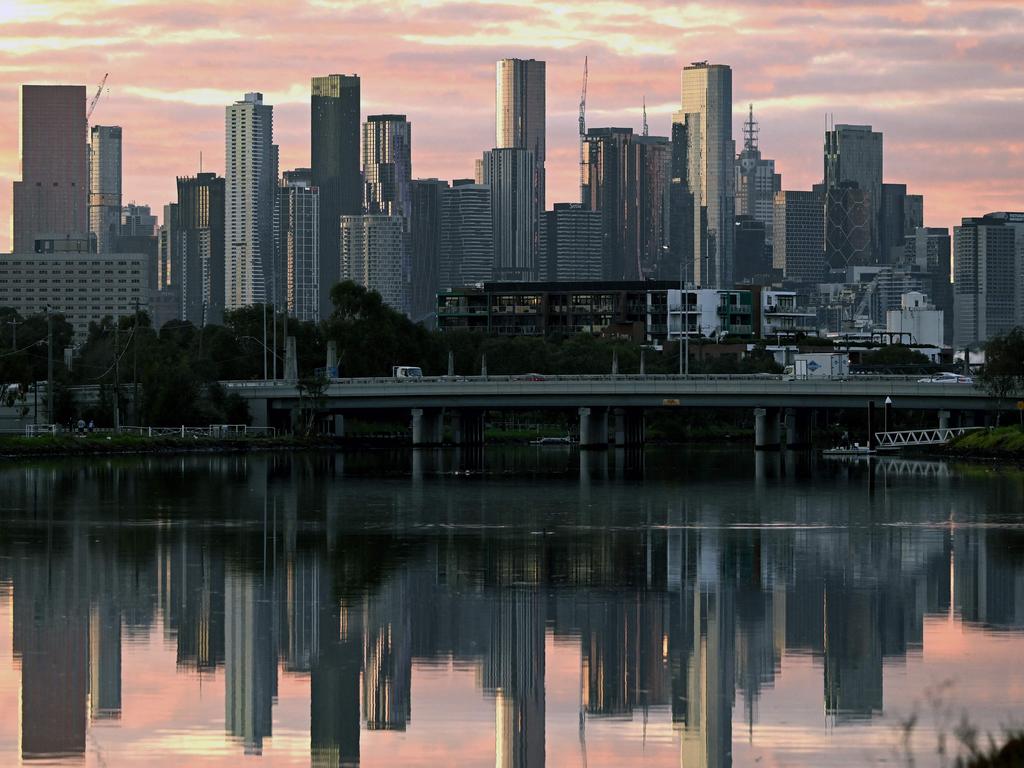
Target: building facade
[(297, 243), (917, 321), (520, 119), (372, 256), (196, 235), (138, 220), (756, 180), (250, 181), (425, 247), (605, 188), (387, 165), (572, 244), (798, 250), (84, 287), (105, 186), (853, 162), (706, 111), (929, 250), (53, 193), (334, 158), (988, 277), (467, 235), (509, 174)]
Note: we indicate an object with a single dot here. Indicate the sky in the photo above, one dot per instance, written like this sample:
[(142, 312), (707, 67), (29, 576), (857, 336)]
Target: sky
[(942, 79)]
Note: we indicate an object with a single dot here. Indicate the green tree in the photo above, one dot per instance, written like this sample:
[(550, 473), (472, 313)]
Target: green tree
[(1002, 375)]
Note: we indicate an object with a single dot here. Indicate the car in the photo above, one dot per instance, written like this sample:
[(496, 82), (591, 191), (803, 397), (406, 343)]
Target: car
[(530, 377), (946, 378)]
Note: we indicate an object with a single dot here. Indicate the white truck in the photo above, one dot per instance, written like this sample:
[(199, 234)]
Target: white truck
[(407, 372), (819, 365)]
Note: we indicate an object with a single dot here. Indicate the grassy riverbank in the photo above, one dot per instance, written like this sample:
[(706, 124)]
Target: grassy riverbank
[(1002, 443)]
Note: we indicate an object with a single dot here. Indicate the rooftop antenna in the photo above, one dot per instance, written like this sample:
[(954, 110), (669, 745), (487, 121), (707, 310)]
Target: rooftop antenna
[(644, 129), (750, 131)]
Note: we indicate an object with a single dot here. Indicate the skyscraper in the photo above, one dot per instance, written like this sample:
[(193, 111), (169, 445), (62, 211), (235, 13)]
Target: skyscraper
[(901, 216), (297, 244), (52, 196), (988, 277), (425, 246), (605, 186), (196, 236), (572, 244), (647, 212), (334, 153), (798, 231), (371, 256), (707, 97), (928, 248), (105, 186), (521, 113), (467, 235), (509, 174), (756, 179), (853, 161), (138, 220), (387, 165), (250, 180)]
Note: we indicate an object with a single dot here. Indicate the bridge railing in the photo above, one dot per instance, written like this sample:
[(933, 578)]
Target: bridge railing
[(911, 437), (541, 379)]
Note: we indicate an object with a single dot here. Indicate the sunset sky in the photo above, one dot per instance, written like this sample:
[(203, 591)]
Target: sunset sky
[(943, 79)]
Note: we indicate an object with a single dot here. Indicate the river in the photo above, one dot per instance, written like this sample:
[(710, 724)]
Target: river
[(508, 607)]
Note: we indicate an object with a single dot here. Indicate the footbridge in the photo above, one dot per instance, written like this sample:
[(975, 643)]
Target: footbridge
[(609, 407)]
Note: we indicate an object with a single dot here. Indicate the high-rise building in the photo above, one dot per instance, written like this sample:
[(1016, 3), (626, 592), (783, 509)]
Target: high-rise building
[(425, 246), (196, 234), (756, 179), (853, 160), (105, 186), (901, 216), (138, 220), (297, 245), (753, 262), (706, 110), (988, 277), (798, 231), (372, 250), (52, 196), (648, 209), (521, 114), (387, 165), (572, 244), (928, 248), (334, 153), (509, 174), (606, 188), (679, 264), (467, 235), (250, 181)]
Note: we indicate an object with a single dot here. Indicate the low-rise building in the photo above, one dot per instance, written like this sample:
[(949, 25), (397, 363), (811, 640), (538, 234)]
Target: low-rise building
[(84, 287), (917, 321)]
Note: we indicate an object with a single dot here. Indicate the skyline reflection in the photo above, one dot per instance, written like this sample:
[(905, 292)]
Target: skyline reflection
[(680, 590)]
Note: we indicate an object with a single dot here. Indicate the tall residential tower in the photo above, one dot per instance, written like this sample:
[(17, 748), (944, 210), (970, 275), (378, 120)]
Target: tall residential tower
[(105, 186)]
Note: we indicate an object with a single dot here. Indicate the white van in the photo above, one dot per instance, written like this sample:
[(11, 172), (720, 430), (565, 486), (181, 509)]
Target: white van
[(407, 372)]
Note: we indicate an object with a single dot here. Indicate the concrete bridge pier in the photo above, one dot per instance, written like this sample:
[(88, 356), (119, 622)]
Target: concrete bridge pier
[(630, 427), (468, 427), (427, 426), (798, 428), (943, 419), (338, 424), (593, 427), (766, 429)]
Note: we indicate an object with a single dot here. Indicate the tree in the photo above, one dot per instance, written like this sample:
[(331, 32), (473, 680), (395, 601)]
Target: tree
[(1003, 372)]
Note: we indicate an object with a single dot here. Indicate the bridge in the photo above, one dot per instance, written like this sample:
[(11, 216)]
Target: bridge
[(621, 398)]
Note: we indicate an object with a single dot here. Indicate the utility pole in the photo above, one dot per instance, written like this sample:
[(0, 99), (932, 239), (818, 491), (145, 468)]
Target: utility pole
[(117, 384), (49, 365)]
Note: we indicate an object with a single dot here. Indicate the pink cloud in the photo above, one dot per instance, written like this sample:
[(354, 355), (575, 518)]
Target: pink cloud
[(939, 81)]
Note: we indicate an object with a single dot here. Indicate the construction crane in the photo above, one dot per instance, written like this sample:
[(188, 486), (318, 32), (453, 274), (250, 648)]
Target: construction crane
[(583, 129), (96, 98)]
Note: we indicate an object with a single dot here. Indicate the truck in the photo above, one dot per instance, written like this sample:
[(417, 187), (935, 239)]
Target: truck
[(406, 372), (819, 365)]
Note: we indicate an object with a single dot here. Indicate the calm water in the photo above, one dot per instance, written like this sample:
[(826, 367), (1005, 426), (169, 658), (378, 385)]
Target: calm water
[(517, 608)]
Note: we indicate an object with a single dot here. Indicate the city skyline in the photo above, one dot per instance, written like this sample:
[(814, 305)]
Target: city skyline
[(881, 71)]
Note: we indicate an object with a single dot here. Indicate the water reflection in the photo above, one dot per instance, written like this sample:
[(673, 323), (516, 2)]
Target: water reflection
[(681, 578)]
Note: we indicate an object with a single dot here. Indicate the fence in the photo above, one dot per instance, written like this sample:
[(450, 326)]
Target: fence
[(213, 430)]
